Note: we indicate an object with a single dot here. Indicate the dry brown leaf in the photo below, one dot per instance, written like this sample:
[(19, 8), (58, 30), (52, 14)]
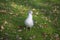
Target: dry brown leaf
[(3, 11)]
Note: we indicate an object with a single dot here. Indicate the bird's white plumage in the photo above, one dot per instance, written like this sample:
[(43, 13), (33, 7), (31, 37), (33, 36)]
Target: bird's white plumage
[(29, 20)]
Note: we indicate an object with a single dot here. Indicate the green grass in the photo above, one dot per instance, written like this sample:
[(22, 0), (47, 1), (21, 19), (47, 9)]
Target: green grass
[(46, 20)]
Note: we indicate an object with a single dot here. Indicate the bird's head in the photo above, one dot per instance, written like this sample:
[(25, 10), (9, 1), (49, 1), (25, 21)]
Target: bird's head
[(30, 12)]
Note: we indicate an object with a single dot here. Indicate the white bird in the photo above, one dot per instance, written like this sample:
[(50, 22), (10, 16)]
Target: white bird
[(29, 21)]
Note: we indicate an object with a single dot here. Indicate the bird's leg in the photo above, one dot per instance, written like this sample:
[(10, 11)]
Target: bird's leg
[(30, 29), (26, 29)]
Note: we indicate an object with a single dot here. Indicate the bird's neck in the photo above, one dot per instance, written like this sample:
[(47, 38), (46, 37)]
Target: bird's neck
[(30, 16)]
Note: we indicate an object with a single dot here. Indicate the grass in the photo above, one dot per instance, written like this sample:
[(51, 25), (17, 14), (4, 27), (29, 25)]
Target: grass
[(46, 15)]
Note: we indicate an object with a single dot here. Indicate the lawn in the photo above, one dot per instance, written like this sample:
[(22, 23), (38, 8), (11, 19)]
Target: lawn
[(46, 16)]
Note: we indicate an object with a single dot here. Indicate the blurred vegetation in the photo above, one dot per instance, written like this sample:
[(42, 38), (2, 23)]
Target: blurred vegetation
[(46, 15)]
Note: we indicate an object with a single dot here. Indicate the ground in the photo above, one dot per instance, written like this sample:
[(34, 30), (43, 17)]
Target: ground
[(46, 16)]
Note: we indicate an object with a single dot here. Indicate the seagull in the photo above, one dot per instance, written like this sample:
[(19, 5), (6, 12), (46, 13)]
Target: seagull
[(29, 20)]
